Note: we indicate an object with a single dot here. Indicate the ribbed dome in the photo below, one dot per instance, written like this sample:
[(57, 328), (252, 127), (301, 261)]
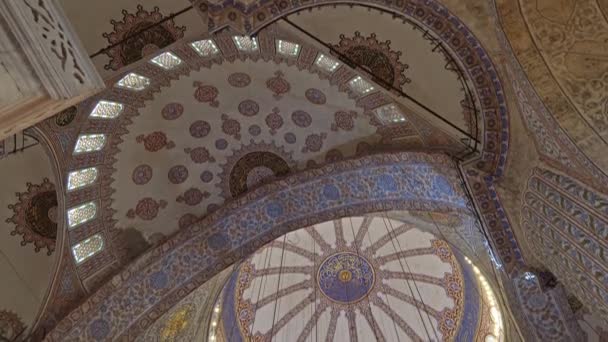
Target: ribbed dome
[(354, 279)]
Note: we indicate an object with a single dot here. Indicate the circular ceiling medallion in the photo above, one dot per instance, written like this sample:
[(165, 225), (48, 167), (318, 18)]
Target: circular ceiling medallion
[(239, 79), (345, 277)]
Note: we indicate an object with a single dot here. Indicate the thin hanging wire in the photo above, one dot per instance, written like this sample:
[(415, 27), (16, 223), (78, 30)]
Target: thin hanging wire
[(314, 280), (278, 288), (262, 288), (392, 236), (352, 229), (369, 239)]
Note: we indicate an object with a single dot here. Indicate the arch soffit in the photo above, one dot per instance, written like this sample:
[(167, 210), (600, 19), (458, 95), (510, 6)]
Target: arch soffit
[(166, 274)]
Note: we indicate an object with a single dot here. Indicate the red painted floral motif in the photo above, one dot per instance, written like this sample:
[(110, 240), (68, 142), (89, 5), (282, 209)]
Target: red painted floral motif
[(231, 127), (193, 196), (239, 80), (314, 142), (206, 94), (142, 174), (199, 155), (172, 111), (200, 129), (155, 141), (178, 174), (274, 121), (344, 121), (278, 85), (147, 209)]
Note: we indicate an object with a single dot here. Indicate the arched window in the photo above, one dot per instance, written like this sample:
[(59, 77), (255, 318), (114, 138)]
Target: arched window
[(87, 248)]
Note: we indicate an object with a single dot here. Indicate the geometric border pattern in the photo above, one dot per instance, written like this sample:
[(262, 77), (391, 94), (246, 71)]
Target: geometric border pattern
[(567, 226)]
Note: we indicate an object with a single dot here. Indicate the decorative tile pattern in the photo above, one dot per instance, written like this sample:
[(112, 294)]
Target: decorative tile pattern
[(133, 81), (398, 181), (87, 248), (568, 226), (107, 110), (81, 214), (90, 143), (81, 178), (491, 87), (166, 60), (547, 308)]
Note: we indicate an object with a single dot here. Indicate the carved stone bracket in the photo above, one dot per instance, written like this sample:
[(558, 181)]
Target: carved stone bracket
[(44, 66)]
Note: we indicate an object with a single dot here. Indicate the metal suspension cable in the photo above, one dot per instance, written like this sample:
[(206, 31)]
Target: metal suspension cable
[(369, 239), (382, 82), (413, 280), (262, 288), (479, 224), (350, 219), (278, 288), (392, 238)]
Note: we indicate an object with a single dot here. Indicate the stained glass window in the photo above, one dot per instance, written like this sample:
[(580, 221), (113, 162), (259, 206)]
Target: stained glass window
[(90, 143), (245, 43), (78, 179), (87, 248), (107, 110), (205, 47), (288, 48), (134, 81), (81, 214), (326, 63), (166, 60), (390, 114), (359, 85)]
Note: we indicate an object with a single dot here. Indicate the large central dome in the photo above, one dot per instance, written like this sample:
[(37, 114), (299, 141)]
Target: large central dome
[(354, 279)]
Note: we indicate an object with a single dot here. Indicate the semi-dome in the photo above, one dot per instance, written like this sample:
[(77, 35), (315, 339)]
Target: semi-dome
[(356, 279)]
